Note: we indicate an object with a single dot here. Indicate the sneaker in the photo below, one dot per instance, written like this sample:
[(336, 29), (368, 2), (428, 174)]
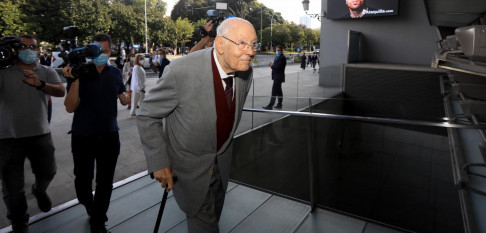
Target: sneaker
[(43, 201), (268, 107)]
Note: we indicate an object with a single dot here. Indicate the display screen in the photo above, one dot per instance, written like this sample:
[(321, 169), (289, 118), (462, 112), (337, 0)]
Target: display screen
[(357, 9)]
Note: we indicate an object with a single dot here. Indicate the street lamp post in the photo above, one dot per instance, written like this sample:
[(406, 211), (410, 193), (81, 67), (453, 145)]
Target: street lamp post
[(271, 32), (146, 47), (261, 25)]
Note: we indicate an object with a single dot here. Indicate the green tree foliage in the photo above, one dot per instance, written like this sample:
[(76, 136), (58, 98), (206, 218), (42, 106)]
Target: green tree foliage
[(311, 36), (46, 19), (159, 5), (183, 31), (193, 10), (11, 20), (287, 35), (91, 17), (260, 15), (296, 34), (281, 35), (123, 23), (161, 30)]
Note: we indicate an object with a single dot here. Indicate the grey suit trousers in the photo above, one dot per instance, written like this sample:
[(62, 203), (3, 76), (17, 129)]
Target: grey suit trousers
[(207, 218)]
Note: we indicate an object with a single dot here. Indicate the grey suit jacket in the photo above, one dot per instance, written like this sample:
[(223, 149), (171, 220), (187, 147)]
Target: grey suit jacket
[(185, 97)]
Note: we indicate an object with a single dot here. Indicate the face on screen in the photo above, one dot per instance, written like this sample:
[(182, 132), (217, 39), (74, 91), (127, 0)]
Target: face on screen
[(355, 4)]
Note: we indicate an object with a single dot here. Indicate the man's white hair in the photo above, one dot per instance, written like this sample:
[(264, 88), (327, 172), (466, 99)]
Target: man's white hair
[(225, 27)]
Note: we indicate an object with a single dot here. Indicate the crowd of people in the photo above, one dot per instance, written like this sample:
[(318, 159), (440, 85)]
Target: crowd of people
[(309, 60)]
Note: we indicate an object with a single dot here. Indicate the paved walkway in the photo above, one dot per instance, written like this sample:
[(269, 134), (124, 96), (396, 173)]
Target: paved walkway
[(299, 83)]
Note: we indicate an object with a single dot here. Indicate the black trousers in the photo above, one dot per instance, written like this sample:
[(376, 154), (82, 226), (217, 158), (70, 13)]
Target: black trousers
[(88, 150), (13, 151), (276, 92)]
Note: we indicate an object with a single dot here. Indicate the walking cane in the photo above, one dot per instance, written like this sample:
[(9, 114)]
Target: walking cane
[(162, 204)]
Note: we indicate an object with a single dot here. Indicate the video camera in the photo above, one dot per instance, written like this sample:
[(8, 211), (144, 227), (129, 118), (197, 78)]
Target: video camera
[(75, 55), (216, 16), (7, 56)]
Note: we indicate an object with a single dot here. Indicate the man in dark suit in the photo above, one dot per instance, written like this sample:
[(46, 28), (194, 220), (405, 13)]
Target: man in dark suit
[(278, 77), (161, 61), (201, 97), (45, 59)]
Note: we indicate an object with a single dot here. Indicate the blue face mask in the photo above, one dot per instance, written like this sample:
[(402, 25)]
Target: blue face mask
[(100, 60), (132, 59), (28, 56), (278, 53)]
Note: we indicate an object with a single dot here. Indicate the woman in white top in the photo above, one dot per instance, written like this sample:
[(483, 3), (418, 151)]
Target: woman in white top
[(127, 73), (138, 83)]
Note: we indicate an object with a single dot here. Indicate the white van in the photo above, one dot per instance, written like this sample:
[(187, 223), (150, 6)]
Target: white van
[(56, 61)]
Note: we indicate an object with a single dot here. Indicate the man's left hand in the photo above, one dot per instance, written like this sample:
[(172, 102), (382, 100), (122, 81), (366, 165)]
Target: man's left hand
[(31, 78)]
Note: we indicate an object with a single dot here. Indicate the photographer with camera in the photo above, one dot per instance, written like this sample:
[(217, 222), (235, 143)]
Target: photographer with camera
[(94, 131), (206, 40), (25, 88)]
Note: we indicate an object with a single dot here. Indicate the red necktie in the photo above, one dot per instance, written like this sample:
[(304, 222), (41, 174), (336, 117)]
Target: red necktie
[(228, 91)]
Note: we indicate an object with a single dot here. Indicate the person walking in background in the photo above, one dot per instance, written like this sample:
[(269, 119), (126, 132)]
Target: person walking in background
[(154, 57), (161, 61), (201, 97), (94, 131), (127, 75), (119, 60), (25, 88), (138, 83), (45, 59), (309, 58), (314, 61), (278, 77), (303, 62)]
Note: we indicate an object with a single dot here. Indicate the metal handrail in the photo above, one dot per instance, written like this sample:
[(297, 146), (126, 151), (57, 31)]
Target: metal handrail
[(441, 124)]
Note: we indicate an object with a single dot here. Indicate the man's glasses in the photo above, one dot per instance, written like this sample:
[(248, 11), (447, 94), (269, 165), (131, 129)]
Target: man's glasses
[(243, 45), (24, 47)]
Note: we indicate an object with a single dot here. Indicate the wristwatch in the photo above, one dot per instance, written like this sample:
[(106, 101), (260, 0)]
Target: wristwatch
[(43, 84)]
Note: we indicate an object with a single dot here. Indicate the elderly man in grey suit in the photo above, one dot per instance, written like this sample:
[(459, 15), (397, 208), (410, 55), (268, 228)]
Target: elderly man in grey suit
[(201, 96)]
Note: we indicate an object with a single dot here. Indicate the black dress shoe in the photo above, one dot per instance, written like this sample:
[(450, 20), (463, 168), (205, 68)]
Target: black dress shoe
[(20, 228), (96, 228), (268, 107), (278, 107), (43, 201)]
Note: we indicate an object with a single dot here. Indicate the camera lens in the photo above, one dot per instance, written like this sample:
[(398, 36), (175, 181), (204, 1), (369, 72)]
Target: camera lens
[(5, 54)]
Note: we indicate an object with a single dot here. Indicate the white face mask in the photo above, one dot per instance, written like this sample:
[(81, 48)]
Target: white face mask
[(141, 62)]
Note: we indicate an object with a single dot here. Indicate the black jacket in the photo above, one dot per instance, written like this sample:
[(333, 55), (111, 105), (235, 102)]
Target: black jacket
[(278, 69), (45, 60)]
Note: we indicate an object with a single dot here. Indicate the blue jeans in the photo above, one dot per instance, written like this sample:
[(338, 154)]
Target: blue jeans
[(104, 150), (40, 151)]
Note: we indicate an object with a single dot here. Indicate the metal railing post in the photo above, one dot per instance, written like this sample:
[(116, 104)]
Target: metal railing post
[(312, 160)]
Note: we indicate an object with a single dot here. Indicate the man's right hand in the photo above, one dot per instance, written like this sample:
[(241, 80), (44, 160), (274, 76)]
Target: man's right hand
[(165, 177), (209, 26), (66, 72)]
